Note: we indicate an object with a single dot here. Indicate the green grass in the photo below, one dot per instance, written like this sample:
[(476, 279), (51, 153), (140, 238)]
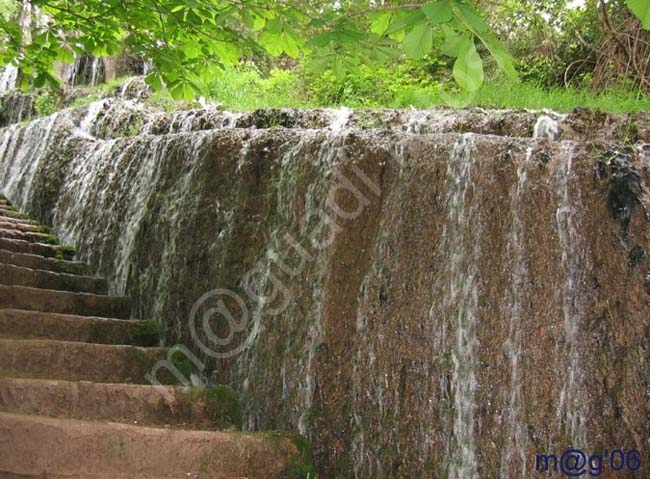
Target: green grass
[(245, 89), (497, 95), (403, 86)]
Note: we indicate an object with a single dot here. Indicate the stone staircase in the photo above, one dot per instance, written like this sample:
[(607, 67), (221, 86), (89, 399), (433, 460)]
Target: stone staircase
[(74, 399)]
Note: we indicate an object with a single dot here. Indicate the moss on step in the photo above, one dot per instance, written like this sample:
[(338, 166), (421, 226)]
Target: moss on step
[(224, 406), (52, 240), (66, 253), (147, 333), (139, 333), (182, 363), (303, 466)]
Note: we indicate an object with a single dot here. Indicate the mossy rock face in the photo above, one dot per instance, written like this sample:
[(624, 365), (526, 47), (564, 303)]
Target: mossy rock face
[(53, 240), (182, 364), (224, 406), (147, 333), (303, 466), (66, 253)]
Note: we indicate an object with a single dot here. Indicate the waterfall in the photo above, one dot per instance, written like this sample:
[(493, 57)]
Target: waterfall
[(86, 70), (95, 69), (22, 149), (514, 453), (94, 109), (546, 127), (8, 79), (570, 410), (461, 249), (515, 449), (415, 345)]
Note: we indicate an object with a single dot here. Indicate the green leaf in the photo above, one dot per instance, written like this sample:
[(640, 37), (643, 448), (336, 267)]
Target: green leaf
[(322, 39), (438, 12), (380, 21), (272, 42), (453, 41), (64, 55), (500, 54), (641, 8), (182, 90), (468, 68), (258, 23), (154, 80), (418, 42), (291, 44), (382, 53), (470, 18), (405, 21), (274, 25), (228, 52), (320, 64)]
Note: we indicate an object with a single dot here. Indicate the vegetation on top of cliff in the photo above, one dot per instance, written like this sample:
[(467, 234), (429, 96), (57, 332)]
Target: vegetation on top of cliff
[(247, 89), (257, 53), (185, 39)]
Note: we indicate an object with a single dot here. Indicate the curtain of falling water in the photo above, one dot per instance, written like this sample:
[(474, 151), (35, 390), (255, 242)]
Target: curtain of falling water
[(461, 249), (570, 406), (514, 453)]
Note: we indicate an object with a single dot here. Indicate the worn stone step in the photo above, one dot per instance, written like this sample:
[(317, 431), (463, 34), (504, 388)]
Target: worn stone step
[(30, 236), (22, 226), (215, 408), (19, 221), (73, 361), (64, 302), (103, 450), (19, 276), (45, 250), (33, 261), (9, 213), (65, 327)]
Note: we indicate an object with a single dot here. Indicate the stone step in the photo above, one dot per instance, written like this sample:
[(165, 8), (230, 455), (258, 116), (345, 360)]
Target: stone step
[(45, 250), (101, 450), (18, 276), (30, 236), (33, 261), (11, 213), (72, 361), (21, 226), (19, 221), (214, 408), (20, 324), (64, 302)]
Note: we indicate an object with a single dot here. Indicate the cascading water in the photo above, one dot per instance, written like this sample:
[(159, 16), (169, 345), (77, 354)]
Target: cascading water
[(460, 305), (22, 150), (423, 341), (85, 70), (8, 79), (571, 405)]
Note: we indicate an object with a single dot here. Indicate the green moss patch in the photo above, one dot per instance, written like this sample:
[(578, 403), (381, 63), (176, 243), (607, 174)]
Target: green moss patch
[(146, 333), (224, 406)]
